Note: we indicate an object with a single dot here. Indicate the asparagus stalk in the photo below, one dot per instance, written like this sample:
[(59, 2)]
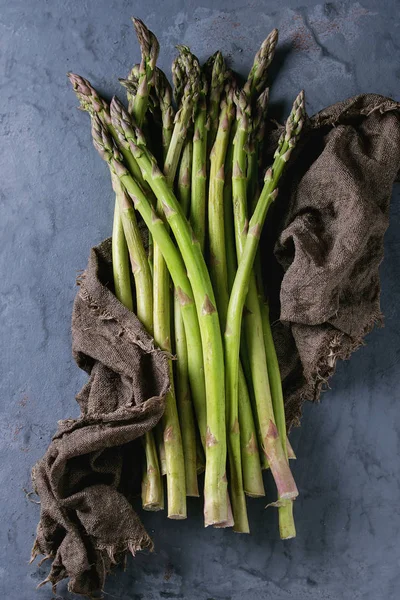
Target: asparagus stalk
[(184, 177), (246, 441), (253, 149), (138, 258), (258, 75), (245, 159), (255, 84), (215, 70), (186, 76), (216, 497), (231, 260), (150, 48), (286, 522), (184, 403), (152, 490), (183, 195), (131, 84), (252, 324), (174, 459), (199, 168), (163, 93), (217, 244), (173, 449), (183, 396), (120, 261), (185, 71), (181, 125), (273, 448), (94, 104)]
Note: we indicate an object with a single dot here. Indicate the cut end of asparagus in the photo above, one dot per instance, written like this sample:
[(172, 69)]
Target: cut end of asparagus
[(287, 528), (286, 486), (152, 494), (219, 516)]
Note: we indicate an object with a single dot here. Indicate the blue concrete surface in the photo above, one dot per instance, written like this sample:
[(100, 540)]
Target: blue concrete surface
[(56, 202)]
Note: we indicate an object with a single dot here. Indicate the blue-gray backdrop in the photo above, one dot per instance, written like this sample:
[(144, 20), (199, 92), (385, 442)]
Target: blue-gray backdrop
[(56, 202)]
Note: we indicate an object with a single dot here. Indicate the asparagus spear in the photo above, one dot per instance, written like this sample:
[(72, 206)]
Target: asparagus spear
[(186, 76), (184, 403), (272, 444), (253, 148), (94, 104), (120, 261), (252, 324), (255, 84), (181, 124), (172, 437), (139, 102), (150, 48), (286, 521), (183, 396), (163, 93), (131, 84), (185, 176), (216, 497), (258, 75), (231, 260), (174, 459), (216, 73), (172, 442), (159, 102), (175, 466), (199, 168), (152, 489), (243, 147), (186, 71), (252, 478)]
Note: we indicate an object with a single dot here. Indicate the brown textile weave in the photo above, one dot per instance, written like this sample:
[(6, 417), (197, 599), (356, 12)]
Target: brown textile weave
[(331, 216), (92, 469)]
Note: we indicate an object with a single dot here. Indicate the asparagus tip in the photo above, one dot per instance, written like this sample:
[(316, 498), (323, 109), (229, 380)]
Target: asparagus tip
[(149, 45)]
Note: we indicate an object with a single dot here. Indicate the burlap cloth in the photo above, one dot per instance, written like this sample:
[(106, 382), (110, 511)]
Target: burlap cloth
[(327, 233)]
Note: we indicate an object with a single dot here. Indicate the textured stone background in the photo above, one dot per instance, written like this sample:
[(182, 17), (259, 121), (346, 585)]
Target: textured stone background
[(56, 202)]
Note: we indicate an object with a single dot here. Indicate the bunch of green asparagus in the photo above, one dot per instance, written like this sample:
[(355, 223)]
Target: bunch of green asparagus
[(187, 164)]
